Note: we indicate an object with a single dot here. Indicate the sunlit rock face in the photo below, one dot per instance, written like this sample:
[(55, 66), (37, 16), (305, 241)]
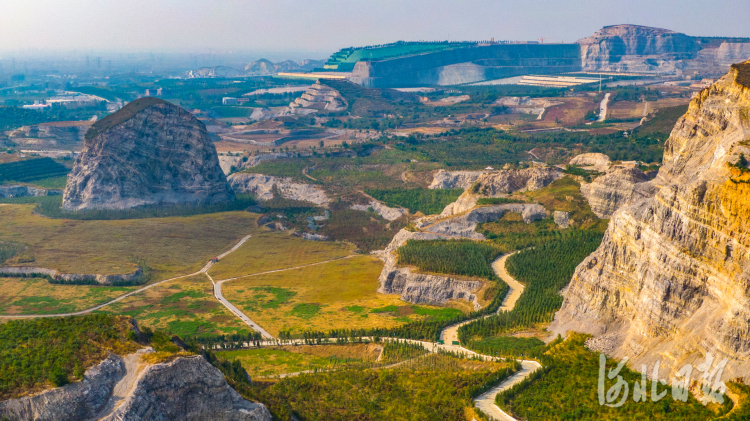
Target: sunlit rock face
[(671, 279)]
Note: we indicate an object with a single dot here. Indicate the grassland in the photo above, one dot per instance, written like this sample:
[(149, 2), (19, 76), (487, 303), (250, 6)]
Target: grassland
[(292, 359), (170, 246), (435, 387), (335, 295), (184, 307), (37, 296), (270, 250)]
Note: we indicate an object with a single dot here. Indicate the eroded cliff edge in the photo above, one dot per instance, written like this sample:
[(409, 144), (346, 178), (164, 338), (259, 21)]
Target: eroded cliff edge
[(671, 279)]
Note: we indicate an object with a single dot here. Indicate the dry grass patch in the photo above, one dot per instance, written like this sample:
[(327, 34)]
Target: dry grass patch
[(268, 362), (170, 246), (37, 296), (334, 295), (184, 307), (271, 250)]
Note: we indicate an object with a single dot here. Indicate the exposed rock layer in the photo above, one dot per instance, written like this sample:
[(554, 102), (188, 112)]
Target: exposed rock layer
[(149, 152), (262, 187), (186, 389), (387, 212), (616, 188), (672, 275), (78, 401), (74, 278), (421, 288)]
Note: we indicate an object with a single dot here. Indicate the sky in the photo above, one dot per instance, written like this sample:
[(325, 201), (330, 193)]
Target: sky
[(319, 27)]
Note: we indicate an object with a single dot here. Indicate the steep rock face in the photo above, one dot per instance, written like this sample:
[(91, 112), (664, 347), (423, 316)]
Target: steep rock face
[(186, 389), (261, 186), (672, 275), (78, 401), (149, 152), (616, 188), (636, 48), (421, 288)]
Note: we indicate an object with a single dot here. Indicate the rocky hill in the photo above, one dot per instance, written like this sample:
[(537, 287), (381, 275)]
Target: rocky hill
[(634, 48), (149, 152), (117, 389), (671, 279)]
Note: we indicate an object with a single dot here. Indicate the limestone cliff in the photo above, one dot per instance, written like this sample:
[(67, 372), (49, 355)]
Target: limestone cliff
[(616, 188), (454, 179), (149, 152), (421, 288), (183, 389), (262, 186), (78, 401), (671, 279), (595, 161), (494, 184), (634, 48), (186, 389)]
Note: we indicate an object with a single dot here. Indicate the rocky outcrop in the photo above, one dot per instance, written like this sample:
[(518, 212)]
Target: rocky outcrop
[(633, 48), (616, 188), (562, 219), (25, 191), (672, 275), (262, 187), (388, 213), (53, 135), (150, 152), (74, 278), (420, 288), (320, 97), (637, 48), (78, 401), (464, 226), (186, 389), (500, 184), (454, 179), (596, 161)]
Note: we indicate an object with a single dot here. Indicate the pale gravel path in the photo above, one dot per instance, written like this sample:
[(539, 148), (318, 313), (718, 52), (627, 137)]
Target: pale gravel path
[(450, 334), (603, 108)]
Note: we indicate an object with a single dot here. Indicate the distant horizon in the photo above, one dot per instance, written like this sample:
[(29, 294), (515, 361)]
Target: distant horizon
[(298, 29)]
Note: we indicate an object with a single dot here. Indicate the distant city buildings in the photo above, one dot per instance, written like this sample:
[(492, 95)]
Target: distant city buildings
[(154, 92)]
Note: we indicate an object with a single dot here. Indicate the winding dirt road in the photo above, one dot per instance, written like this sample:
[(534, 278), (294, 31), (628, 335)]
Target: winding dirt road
[(450, 334)]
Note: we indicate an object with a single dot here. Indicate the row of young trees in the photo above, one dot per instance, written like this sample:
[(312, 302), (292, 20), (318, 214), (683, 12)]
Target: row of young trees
[(459, 257), (545, 270), (427, 201), (31, 169), (38, 352)]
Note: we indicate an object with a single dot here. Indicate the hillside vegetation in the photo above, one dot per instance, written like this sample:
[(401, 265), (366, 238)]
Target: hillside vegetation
[(41, 353)]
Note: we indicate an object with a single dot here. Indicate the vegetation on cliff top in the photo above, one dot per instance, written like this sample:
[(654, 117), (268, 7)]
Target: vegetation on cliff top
[(124, 114), (41, 353)]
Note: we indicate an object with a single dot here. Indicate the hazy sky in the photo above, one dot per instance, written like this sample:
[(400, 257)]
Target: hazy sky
[(321, 26)]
